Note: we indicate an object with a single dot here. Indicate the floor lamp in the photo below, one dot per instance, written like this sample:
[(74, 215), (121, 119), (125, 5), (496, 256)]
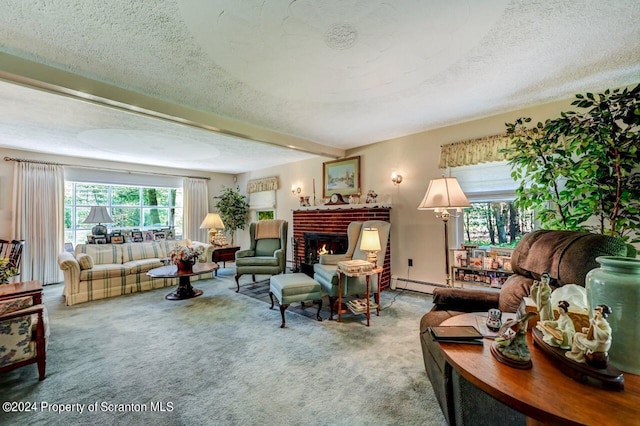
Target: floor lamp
[(444, 194)]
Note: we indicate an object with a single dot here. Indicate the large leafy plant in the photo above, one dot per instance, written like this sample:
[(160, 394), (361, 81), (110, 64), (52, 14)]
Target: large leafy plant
[(233, 208), (583, 165)]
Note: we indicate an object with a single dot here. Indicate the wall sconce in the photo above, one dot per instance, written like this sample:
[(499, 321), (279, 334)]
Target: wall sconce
[(295, 189), (396, 178)]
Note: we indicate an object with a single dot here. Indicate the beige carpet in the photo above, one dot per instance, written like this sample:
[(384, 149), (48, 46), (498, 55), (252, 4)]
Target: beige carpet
[(222, 359)]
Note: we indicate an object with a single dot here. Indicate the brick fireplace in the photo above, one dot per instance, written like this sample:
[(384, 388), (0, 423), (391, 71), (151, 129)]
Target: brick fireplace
[(333, 221)]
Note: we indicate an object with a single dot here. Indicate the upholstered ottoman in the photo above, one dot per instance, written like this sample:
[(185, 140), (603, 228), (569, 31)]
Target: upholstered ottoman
[(290, 288)]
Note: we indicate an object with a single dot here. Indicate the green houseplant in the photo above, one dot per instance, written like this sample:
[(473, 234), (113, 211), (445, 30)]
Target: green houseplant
[(583, 165), (233, 208)]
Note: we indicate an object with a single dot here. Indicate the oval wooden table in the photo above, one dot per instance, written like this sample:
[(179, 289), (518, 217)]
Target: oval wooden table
[(544, 394), (184, 290)]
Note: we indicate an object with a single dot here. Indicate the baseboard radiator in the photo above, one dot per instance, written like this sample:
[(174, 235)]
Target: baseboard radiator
[(400, 283)]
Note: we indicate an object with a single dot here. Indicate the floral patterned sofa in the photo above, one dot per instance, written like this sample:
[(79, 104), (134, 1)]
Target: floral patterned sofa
[(99, 271)]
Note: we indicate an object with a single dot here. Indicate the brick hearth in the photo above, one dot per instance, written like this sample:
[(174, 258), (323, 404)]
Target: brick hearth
[(335, 220)]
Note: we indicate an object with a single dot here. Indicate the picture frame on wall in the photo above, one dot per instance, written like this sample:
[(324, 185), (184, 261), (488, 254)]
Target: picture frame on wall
[(341, 177)]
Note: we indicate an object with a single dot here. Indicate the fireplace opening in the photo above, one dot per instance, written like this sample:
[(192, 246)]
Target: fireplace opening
[(316, 244)]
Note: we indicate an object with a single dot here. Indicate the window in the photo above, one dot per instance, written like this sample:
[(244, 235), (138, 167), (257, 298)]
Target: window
[(496, 223), (130, 207), (265, 214), (492, 218)]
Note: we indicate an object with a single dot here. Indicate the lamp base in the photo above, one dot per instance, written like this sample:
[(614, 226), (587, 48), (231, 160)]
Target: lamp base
[(99, 230), (372, 257)]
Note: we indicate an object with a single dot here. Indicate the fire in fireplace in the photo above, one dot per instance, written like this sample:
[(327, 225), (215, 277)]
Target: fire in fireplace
[(316, 243)]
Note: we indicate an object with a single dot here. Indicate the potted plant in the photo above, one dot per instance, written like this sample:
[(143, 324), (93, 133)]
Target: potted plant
[(582, 165), (233, 208)]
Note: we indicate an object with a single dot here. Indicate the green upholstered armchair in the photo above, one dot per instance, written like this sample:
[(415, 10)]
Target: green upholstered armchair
[(268, 251), (325, 272)]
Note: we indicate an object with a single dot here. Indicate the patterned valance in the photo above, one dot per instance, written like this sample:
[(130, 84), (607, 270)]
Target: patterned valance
[(264, 184), (474, 151)]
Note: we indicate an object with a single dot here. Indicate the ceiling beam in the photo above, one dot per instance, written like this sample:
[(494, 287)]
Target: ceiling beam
[(43, 77)]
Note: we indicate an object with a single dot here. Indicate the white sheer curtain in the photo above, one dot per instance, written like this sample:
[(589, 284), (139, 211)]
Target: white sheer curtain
[(196, 207), (38, 205)]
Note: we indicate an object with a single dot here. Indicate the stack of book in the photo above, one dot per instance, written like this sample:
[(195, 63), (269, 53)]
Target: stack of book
[(359, 306)]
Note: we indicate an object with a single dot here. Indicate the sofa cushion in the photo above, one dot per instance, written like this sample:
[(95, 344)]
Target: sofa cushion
[(566, 255), (85, 261), (266, 246), (327, 272), (167, 245), (257, 261), (146, 250), (142, 265), (99, 272), (101, 253), (16, 340), (513, 291)]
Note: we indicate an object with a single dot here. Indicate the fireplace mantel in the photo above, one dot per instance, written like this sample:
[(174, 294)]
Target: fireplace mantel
[(345, 207), (335, 220)]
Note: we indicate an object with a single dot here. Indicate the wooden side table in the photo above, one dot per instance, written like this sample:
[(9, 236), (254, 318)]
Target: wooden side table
[(224, 254), (26, 288), (377, 270)]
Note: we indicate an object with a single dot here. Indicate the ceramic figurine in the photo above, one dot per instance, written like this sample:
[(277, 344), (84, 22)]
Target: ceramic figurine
[(591, 346), (510, 347), (372, 197), (494, 319), (541, 294), (558, 333)]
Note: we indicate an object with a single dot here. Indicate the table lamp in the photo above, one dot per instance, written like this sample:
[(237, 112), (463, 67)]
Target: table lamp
[(442, 195), (370, 243), (213, 222), (99, 215)]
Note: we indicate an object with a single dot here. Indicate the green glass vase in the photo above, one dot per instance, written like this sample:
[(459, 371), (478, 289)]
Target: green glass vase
[(617, 283)]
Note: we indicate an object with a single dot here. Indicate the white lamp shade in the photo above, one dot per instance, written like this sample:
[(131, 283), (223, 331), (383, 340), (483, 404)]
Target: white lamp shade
[(444, 193), (370, 240), (212, 221), (98, 214)]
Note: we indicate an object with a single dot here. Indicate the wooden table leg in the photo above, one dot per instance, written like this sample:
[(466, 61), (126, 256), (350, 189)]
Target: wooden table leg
[(339, 297), (377, 295), (368, 302)]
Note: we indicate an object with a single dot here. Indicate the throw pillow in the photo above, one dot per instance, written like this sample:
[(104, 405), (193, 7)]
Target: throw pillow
[(85, 261)]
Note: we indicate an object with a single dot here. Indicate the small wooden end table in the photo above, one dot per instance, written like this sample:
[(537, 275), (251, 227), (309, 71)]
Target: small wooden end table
[(184, 290), (25, 288), (224, 254), (377, 270)]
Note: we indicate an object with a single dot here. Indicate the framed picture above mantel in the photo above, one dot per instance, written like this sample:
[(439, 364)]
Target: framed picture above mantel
[(341, 176)]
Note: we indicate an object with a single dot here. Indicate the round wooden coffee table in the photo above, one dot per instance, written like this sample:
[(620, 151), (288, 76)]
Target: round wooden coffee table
[(184, 290), (544, 394)]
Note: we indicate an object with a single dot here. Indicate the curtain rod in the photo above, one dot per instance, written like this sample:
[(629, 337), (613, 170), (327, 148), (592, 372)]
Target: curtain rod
[(21, 160)]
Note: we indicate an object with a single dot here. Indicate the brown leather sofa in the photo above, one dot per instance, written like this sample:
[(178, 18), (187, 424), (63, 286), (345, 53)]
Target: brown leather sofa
[(566, 255)]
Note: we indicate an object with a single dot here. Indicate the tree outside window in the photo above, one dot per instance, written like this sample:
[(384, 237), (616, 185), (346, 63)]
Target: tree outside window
[(496, 223)]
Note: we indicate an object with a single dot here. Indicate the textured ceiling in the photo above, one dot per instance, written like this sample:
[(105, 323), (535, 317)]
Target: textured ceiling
[(315, 76)]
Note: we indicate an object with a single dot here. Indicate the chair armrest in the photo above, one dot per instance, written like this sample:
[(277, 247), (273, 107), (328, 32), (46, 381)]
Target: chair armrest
[(67, 260), (22, 312), (245, 253), (207, 253), (332, 259), (465, 300)]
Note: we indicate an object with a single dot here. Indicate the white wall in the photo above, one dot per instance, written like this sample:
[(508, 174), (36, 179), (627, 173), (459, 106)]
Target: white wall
[(215, 184), (414, 234)]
